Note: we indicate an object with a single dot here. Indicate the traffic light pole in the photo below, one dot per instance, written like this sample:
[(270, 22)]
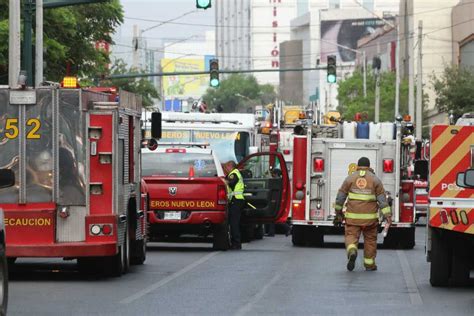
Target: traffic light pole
[(191, 73)]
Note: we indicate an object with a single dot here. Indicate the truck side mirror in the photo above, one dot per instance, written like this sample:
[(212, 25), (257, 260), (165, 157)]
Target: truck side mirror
[(156, 125), (469, 178), (7, 178), (460, 180)]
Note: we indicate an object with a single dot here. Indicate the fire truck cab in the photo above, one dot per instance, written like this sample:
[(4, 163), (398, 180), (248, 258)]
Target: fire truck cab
[(76, 157)]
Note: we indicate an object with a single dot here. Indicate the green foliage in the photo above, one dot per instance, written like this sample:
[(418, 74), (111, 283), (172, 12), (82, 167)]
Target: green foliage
[(70, 34), (351, 96), (142, 86), (237, 92), (455, 90)]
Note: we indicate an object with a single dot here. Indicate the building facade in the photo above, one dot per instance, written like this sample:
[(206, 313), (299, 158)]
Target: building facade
[(334, 28), (249, 33), (463, 33), (437, 45)]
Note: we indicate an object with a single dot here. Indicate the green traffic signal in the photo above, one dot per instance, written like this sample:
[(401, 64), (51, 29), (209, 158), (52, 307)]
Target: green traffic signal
[(203, 4), (331, 76), (214, 73), (331, 79), (214, 82)]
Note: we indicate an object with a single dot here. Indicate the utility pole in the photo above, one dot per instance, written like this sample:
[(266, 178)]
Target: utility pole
[(365, 73), (411, 69), (397, 73), (136, 47), (378, 66), (14, 43), (419, 85), (39, 44)]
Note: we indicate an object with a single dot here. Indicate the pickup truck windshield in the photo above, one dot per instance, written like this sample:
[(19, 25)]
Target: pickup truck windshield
[(178, 164)]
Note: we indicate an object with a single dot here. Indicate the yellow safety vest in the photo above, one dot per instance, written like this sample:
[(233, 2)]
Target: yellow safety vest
[(239, 188)]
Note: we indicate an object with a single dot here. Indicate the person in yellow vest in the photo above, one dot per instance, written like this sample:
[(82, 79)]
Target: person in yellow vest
[(236, 198), (365, 195)]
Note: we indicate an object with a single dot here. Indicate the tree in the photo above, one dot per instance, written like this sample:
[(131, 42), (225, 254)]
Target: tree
[(351, 96), (70, 35), (237, 92), (455, 90), (142, 86)]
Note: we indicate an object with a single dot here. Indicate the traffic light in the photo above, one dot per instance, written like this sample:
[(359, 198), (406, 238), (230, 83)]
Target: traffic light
[(214, 73), (331, 69), (203, 4)]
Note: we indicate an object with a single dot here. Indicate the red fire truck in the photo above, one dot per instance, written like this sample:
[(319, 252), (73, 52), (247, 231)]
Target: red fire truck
[(325, 155), (76, 156), (450, 243)]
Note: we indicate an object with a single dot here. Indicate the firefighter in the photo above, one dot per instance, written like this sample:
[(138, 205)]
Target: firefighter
[(236, 198), (365, 195)]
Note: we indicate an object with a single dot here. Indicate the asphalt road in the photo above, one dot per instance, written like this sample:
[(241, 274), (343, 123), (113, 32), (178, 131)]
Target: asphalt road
[(269, 276)]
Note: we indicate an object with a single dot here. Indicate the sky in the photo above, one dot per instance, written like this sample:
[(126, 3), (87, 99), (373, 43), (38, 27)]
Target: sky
[(159, 11)]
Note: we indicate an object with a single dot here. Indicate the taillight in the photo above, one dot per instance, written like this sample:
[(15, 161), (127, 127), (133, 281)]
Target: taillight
[(388, 165), (221, 195), (286, 152), (444, 216), (176, 150), (318, 165)]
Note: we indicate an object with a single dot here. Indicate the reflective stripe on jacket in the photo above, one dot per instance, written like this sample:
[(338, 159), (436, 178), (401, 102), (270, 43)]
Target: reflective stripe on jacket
[(238, 191), (365, 194)]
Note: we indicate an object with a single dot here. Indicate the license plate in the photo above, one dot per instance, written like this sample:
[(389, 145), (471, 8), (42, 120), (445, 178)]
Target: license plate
[(172, 215)]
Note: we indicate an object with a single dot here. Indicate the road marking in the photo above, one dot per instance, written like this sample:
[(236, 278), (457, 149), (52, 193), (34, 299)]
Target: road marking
[(244, 310), (410, 282), (168, 279)]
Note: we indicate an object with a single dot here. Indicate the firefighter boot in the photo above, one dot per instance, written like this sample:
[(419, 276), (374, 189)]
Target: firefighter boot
[(372, 268), (351, 256)]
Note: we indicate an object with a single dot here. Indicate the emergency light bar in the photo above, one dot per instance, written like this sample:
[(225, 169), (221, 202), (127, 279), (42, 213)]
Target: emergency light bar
[(189, 144), (201, 120)]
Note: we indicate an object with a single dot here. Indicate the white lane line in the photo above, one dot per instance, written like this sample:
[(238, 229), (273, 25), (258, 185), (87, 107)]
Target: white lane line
[(244, 310), (168, 279), (410, 282)]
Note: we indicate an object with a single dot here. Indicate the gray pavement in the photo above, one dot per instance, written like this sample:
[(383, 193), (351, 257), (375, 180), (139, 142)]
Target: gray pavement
[(269, 276)]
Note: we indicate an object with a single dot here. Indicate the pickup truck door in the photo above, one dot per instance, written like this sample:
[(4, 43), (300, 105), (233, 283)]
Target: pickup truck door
[(267, 188)]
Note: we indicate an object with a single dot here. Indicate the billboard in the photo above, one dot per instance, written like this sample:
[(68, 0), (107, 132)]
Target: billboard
[(180, 87), (346, 33)]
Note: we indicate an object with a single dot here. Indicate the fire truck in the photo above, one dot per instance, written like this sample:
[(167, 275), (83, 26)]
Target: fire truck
[(324, 155), (76, 157), (450, 232)]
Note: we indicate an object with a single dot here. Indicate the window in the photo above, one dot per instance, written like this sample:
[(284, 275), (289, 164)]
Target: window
[(334, 4), (261, 167), (467, 54), (178, 164)]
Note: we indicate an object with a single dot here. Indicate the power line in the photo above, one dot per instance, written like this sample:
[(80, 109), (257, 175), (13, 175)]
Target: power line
[(288, 26)]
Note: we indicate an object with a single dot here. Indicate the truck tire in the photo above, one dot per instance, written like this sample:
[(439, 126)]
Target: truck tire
[(460, 272), (391, 240), (139, 252), (298, 236), (221, 238), (408, 238), (247, 232), (3, 285), (315, 236), (440, 260), (259, 231)]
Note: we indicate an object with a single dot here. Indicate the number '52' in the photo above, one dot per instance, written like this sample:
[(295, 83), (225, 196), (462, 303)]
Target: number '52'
[(11, 128)]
